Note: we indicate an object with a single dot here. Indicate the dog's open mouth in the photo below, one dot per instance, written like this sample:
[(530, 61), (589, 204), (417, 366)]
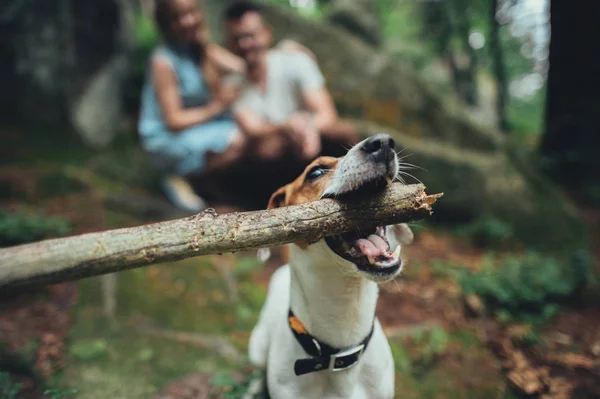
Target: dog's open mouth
[(369, 250)]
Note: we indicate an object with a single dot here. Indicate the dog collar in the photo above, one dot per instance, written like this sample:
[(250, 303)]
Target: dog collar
[(324, 356)]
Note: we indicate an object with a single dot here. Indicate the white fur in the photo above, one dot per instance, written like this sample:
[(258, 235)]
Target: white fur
[(336, 303)]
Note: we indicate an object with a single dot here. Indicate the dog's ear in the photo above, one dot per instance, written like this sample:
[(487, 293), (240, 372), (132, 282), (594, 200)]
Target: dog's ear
[(277, 199), (403, 233)]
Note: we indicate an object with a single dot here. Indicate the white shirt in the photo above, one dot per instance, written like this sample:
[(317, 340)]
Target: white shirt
[(289, 74)]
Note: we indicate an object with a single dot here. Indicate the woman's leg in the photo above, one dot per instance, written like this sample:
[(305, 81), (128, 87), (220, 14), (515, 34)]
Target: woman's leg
[(233, 154)]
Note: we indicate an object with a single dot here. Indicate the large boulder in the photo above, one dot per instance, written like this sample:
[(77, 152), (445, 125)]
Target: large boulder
[(356, 17)]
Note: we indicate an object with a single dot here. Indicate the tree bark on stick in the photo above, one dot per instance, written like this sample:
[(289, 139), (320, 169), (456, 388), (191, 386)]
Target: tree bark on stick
[(71, 258)]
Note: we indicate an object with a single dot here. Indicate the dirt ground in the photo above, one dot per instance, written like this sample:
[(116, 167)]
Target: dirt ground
[(563, 363)]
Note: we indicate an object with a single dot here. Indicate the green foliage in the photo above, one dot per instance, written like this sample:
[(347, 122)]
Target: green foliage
[(488, 231), (147, 38), (526, 115), (247, 265), (529, 287), (426, 345), (431, 344), (8, 388), (146, 32), (19, 228)]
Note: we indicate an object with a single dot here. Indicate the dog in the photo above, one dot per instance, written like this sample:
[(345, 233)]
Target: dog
[(317, 335)]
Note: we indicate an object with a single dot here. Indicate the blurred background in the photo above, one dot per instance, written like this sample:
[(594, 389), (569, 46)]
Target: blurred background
[(496, 102)]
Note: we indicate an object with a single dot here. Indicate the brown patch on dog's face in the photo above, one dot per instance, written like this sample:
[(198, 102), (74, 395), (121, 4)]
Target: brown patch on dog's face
[(309, 186)]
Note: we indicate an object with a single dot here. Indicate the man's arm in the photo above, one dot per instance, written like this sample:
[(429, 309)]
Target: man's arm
[(320, 105), (255, 126), (315, 95)]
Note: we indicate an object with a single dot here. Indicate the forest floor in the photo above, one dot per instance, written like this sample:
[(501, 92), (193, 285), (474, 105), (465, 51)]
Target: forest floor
[(180, 330)]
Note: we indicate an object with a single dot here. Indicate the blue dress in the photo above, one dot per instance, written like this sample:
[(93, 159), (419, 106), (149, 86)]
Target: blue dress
[(183, 152)]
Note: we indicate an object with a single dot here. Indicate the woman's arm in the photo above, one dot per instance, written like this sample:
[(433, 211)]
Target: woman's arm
[(177, 117)]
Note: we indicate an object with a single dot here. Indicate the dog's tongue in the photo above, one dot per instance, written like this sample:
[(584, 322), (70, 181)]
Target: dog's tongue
[(372, 246)]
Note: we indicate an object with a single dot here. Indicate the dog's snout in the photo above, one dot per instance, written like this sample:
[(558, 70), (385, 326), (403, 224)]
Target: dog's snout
[(380, 147), (378, 142)]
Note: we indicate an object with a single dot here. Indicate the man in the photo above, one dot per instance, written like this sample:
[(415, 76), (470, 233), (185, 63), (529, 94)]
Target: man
[(283, 96)]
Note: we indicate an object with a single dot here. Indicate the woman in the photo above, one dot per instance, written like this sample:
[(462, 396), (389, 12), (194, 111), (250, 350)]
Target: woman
[(184, 123)]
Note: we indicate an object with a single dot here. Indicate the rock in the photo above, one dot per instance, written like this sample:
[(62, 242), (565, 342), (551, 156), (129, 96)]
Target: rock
[(97, 112), (561, 338), (357, 18), (595, 349)]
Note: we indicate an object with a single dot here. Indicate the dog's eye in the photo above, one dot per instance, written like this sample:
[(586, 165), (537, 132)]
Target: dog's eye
[(316, 172)]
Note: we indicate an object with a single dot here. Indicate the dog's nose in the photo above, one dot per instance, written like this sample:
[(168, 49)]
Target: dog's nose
[(378, 142)]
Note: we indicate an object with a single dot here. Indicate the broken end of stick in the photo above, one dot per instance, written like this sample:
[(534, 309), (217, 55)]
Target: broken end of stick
[(432, 198), (424, 201)]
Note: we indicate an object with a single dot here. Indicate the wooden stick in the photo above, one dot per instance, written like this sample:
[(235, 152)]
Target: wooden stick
[(71, 258)]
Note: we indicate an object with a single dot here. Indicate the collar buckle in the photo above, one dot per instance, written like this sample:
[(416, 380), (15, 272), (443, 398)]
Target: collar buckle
[(335, 362)]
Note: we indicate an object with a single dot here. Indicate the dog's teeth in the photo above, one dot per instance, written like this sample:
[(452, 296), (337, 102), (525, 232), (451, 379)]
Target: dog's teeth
[(396, 253), (372, 260), (388, 179)]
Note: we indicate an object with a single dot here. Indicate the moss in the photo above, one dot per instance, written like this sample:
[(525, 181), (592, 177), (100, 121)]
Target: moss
[(119, 359), (466, 364)]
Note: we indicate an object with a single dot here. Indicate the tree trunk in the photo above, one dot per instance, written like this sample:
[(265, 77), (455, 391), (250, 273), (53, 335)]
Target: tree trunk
[(498, 67), (468, 74), (439, 26), (572, 138), (38, 40)]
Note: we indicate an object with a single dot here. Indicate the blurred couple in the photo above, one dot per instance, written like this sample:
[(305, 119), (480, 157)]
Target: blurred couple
[(205, 108)]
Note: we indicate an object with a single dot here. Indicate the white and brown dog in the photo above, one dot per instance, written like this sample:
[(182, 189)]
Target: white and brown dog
[(317, 335)]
